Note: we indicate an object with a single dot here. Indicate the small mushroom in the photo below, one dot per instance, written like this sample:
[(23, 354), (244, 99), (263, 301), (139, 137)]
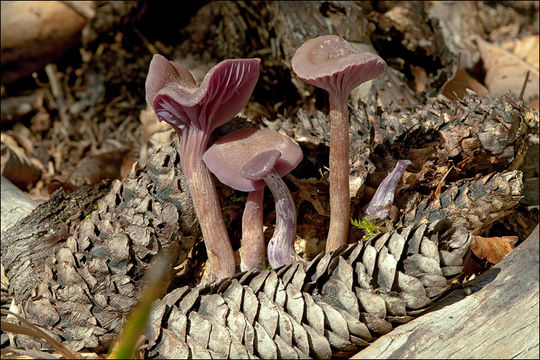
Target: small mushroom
[(226, 158), (281, 246), (194, 112), (381, 202), (333, 64)]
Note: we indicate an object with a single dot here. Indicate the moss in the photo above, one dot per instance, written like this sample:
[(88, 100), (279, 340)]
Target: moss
[(369, 228)]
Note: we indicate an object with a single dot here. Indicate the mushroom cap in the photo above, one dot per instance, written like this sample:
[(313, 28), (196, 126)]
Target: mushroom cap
[(329, 62), (260, 165), (226, 157), (224, 91)]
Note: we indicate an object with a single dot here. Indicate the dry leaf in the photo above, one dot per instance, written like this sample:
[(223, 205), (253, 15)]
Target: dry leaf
[(492, 249), (505, 71), (456, 87), (527, 49), (154, 134), (17, 165), (127, 165), (92, 169)]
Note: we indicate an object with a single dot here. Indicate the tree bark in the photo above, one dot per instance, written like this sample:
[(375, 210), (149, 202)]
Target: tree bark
[(498, 320)]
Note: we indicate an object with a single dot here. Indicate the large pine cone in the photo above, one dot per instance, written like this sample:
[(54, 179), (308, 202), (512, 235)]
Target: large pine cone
[(337, 304), (75, 264)]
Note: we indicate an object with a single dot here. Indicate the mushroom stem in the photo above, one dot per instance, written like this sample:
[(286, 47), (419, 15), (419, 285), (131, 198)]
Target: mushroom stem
[(339, 173), (281, 246), (206, 202), (253, 248)]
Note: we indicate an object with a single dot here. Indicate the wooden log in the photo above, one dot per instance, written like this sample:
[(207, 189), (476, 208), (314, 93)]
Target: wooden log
[(498, 320), (15, 204)]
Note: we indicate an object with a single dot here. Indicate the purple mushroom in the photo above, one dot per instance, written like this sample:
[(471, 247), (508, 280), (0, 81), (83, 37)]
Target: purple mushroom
[(194, 112), (333, 64), (380, 204), (226, 158)]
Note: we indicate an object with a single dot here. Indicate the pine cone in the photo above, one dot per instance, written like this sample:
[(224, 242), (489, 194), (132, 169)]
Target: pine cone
[(337, 304), (475, 204), (82, 277)]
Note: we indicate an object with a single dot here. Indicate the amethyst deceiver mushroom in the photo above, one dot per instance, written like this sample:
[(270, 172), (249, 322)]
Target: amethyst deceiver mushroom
[(381, 202), (333, 64), (194, 112), (281, 245), (226, 158)]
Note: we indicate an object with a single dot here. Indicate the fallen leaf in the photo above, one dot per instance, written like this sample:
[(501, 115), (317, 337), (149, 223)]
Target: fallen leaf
[(506, 71), (492, 249), (472, 267), (127, 165), (456, 87), (16, 164), (526, 48), (310, 191), (154, 134), (94, 168)]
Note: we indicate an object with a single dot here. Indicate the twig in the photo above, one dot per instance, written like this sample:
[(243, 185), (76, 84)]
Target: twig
[(524, 85), (57, 92), (441, 182), (151, 48), (33, 330)]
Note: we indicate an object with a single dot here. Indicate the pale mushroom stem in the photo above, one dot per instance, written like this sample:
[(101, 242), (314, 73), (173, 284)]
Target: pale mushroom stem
[(281, 246), (339, 172), (253, 248), (206, 202)]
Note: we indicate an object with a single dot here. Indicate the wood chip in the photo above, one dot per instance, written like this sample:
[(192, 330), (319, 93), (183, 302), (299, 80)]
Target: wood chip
[(314, 314), (250, 305), (343, 272), (418, 264), (376, 324), (172, 347)]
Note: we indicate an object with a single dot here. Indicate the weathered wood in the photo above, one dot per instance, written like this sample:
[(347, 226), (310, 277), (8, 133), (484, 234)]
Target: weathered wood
[(498, 320), (26, 245), (15, 204)]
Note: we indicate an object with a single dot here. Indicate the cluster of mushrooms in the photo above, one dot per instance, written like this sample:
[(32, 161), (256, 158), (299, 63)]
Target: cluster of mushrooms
[(249, 159)]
